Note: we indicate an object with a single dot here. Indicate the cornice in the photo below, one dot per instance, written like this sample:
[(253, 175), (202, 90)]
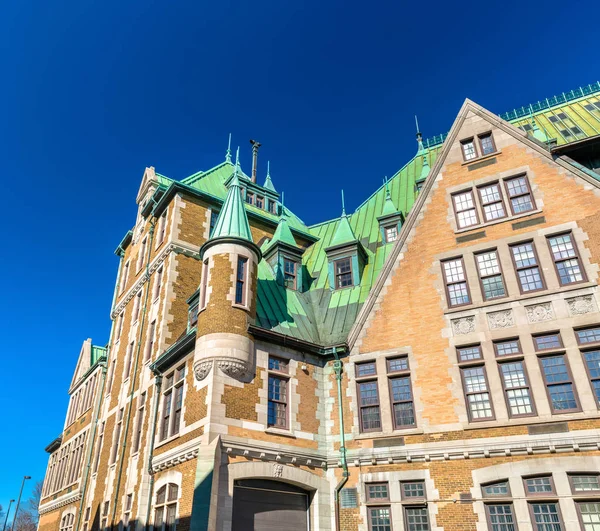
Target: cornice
[(172, 247), (180, 454), (63, 500)]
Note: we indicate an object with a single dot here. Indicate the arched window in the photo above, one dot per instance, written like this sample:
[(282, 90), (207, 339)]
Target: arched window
[(166, 507), (66, 523)]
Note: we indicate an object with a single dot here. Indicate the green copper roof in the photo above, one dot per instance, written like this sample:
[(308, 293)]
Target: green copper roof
[(233, 221), (268, 183), (283, 234), (388, 205), (97, 354)]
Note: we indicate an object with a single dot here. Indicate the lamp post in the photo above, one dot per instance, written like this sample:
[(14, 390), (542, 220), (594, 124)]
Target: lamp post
[(7, 513), (25, 478)]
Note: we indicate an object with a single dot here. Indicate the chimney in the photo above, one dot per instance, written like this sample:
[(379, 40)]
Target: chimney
[(255, 146)]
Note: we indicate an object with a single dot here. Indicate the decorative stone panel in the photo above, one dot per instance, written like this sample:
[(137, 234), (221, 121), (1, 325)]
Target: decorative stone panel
[(581, 305), (463, 325), (540, 312), (501, 319)]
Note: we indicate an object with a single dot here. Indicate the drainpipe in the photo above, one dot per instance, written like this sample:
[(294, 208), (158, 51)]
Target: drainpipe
[(157, 387), (134, 375), (339, 369)]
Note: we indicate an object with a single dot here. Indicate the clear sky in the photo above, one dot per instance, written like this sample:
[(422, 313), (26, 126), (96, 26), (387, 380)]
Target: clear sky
[(93, 91)]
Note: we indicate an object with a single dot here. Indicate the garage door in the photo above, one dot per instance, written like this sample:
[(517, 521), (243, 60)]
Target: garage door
[(263, 505)]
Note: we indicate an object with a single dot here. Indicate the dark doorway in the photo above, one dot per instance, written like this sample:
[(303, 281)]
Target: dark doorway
[(264, 505)]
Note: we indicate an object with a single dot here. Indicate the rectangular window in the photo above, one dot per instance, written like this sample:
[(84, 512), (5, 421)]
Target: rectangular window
[(492, 202), (128, 360), (172, 403), (116, 437), (468, 149), (162, 228), (586, 483), (368, 400), (412, 490), (214, 214), (277, 414), (403, 410), (290, 273), (137, 436), (119, 327), (417, 518), (157, 283), (124, 277), (547, 341), (391, 233), (377, 492), (559, 384), (240, 285), (527, 266), (380, 519), (486, 144), (365, 369), (490, 275), (104, 520), (546, 517), (589, 512), (455, 278), (137, 305), (507, 347), (566, 259), (203, 288), (469, 353), (588, 335), (250, 198), (501, 517), (150, 340), (519, 194), (98, 448), (516, 389), (142, 253), (127, 512), (496, 490), (464, 207), (592, 365), (111, 375), (477, 394), (272, 207), (260, 201), (539, 485), (86, 519), (343, 273)]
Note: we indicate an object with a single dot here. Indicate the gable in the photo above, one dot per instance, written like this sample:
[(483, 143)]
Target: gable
[(84, 362), (515, 152)]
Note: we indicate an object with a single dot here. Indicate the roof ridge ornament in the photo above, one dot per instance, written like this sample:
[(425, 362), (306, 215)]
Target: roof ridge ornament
[(343, 204), (425, 169), (228, 152), (268, 182)]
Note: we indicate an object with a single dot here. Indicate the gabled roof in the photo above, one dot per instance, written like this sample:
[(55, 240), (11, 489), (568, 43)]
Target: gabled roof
[(89, 356)]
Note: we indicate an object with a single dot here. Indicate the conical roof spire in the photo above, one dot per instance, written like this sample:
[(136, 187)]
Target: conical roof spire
[(268, 183), (228, 152), (233, 221), (343, 232), (388, 205)]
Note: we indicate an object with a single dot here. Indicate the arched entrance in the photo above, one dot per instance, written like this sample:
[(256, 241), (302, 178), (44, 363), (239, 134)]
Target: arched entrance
[(266, 505)]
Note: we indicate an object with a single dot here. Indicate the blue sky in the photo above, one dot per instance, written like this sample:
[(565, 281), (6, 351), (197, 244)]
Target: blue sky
[(93, 92)]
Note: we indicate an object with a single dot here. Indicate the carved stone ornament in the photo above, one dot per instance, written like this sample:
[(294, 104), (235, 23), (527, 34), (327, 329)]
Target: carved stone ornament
[(202, 368), (277, 470), (464, 325), (581, 305), (540, 312), (235, 368), (502, 319)]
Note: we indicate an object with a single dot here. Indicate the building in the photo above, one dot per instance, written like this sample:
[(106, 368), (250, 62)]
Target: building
[(429, 362)]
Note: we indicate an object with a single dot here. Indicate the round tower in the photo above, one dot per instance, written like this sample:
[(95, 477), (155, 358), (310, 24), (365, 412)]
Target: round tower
[(227, 298)]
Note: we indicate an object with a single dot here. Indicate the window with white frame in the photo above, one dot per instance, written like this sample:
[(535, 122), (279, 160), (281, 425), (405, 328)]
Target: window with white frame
[(116, 437), (127, 512), (137, 306), (490, 275), (128, 360), (162, 228), (455, 280), (157, 283), (142, 253), (86, 519), (150, 341), (139, 422), (172, 403), (203, 291), (98, 447), (566, 259), (241, 280), (124, 277), (67, 522), (165, 508), (104, 519)]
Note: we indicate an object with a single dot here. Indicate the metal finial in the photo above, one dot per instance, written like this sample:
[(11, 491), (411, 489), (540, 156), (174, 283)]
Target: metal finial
[(268, 169), (343, 204), (417, 124), (387, 188), (228, 152)]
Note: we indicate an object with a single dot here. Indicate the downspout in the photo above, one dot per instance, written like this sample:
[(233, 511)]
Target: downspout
[(339, 369), (134, 375), (88, 460), (157, 387)]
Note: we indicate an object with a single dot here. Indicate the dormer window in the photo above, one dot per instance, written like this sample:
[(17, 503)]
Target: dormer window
[(468, 148), (391, 233), (290, 271), (343, 273), (273, 207), (260, 201), (250, 198)]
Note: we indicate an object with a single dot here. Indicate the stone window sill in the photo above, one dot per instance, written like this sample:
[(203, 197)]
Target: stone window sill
[(279, 431), (564, 417), (389, 434), (480, 226), (483, 157)]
